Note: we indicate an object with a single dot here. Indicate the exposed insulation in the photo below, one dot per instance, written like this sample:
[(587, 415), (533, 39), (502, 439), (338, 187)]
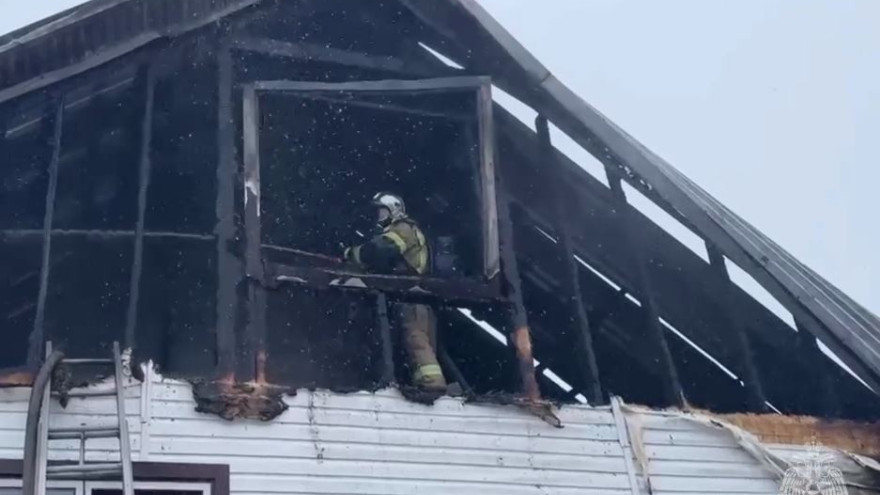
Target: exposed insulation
[(851, 436)]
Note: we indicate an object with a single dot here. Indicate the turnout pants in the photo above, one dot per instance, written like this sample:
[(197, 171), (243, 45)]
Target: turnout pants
[(419, 334)]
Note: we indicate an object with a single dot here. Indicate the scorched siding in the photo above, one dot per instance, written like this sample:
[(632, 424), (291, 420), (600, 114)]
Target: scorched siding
[(681, 456), (379, 443)]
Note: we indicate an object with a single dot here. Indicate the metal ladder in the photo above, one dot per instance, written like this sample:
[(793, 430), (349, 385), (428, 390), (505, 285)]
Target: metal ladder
[(86, 470)]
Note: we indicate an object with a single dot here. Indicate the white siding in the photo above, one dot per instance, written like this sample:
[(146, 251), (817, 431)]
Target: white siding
[(96, 411), (685, 457), (360, 443), (379, 443)]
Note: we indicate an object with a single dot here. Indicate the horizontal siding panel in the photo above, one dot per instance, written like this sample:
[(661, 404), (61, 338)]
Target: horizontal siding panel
[(687, 484), (697, 436), (450, 456), (425, 421), (730, 454), (389, 401), (346, 484), (15, 422), (658, 421), (380, 443), (416, 471), (708, 469), (186, 434)]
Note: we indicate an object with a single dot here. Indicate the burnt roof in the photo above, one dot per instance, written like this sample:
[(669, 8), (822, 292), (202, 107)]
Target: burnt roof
[(96, 32)]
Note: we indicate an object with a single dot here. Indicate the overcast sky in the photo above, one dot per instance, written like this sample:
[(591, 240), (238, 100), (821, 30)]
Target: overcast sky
[(773, 106)]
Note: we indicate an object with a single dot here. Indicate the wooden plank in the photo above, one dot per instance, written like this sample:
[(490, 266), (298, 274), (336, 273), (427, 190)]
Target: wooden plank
[(147, 80), (255, 331), (53, 127), (519, 337), (420, 85), (396, 287), (571, 280), (229, 269), (321, 53), (487, 181)]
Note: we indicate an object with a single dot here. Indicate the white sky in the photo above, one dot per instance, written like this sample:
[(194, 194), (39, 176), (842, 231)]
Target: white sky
[(773, 106)]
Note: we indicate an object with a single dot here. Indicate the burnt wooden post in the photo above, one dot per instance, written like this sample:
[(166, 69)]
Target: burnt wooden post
[(146, 84), (571, 279), (671, 384), (755, 398), (385, 338), (52, 130), (519, 336), (255, 333), (229, 270)]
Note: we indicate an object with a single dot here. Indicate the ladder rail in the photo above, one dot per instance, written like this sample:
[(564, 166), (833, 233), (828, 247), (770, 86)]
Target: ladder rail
[(124, 438), (36, 468), (43, 434)]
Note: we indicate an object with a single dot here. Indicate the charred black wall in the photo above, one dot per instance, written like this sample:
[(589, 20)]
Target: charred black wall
[(327, 338)]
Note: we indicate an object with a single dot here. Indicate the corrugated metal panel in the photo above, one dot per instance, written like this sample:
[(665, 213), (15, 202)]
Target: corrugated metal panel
[(380, 443), (686, 457)]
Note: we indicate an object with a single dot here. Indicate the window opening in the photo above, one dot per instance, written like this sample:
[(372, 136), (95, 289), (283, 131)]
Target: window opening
[(324, 150)]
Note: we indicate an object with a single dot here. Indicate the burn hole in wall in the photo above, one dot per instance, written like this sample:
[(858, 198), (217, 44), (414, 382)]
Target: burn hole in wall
[(324, 156), (95, 206), (487, 363), (175, 325), (184, 151), (322, 339), (176, 307), (23, 185)]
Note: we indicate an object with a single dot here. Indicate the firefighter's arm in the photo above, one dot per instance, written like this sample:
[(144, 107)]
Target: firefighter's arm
[(381, 253)]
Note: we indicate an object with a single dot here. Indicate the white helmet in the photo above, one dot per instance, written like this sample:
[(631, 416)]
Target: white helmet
[(392, 204)]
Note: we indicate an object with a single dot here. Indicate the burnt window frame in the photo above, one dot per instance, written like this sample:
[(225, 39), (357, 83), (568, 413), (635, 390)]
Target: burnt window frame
[(477, 289)]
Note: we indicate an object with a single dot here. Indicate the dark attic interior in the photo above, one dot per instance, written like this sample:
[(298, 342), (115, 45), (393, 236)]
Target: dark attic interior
[(181, 176)]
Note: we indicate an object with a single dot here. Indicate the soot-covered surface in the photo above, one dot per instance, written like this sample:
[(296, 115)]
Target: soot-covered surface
[(322, 161)]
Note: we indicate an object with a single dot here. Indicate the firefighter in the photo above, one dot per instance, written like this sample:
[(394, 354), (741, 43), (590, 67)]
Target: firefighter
[(399, 247)]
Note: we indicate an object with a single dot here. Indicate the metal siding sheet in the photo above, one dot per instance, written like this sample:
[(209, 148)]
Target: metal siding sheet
[(381, 443), (684, 456)]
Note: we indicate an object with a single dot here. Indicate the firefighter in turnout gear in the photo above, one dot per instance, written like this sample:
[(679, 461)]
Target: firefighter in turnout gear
[(399, 247)]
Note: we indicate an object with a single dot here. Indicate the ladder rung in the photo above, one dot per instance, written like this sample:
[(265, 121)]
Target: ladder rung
[(89, 361), (85, 468), (91, 475), (87, 393), (75, 433)]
